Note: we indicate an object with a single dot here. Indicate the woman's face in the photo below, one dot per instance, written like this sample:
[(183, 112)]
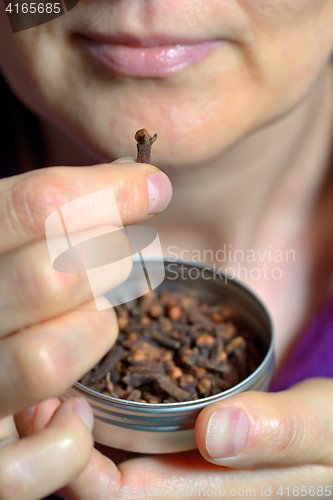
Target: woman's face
[(200, 73)]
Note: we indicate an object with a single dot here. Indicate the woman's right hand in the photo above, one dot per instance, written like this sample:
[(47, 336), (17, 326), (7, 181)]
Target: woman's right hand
[(48, 336)]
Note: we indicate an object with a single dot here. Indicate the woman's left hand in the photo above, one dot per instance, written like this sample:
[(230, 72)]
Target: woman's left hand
[(255, 444)]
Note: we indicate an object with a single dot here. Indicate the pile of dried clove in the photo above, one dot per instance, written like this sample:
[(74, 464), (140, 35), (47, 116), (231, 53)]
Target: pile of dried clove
[(174, 348)]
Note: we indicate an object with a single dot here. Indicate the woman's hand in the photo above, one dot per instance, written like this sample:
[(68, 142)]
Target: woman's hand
[(50, 331), (283, 448)]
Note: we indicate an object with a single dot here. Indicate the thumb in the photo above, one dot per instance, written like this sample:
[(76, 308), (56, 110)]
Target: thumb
[(158, 186), (255, 429)]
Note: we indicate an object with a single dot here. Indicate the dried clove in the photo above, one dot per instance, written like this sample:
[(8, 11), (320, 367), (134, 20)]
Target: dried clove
[(172, 389), (110, 361), (174, 348), (145, 142), (165, 341)]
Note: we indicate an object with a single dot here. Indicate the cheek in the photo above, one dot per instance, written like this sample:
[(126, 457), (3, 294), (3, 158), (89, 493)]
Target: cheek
[(291, 42), (281, 13), (30, 61)]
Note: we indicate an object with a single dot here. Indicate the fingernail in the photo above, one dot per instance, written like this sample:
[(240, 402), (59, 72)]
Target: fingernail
[(125, 159), (159, 192), (227, 432), (83, 409), (130, 159)]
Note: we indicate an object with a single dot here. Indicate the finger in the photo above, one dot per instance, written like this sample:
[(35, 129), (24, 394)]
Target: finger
[(100, 479), (8, 429), (37, 416), (46, 359), (35, 466), (183, 475), (257, 429), (188, 475), (27, 200), (31, 290)]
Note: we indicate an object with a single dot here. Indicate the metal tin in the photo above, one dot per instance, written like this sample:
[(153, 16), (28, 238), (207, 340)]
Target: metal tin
[(169, 428)]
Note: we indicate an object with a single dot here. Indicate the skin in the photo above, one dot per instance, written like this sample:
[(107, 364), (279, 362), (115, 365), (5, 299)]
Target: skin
[(265, 85)]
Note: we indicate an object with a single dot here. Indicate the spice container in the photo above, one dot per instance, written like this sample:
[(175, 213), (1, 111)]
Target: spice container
[(169, 427)]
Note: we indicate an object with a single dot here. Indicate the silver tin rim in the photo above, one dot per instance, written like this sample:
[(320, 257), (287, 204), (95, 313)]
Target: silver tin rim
[(162, 423)]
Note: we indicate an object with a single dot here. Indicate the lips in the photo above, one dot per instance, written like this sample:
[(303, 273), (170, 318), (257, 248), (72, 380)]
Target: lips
[(150, 57)]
